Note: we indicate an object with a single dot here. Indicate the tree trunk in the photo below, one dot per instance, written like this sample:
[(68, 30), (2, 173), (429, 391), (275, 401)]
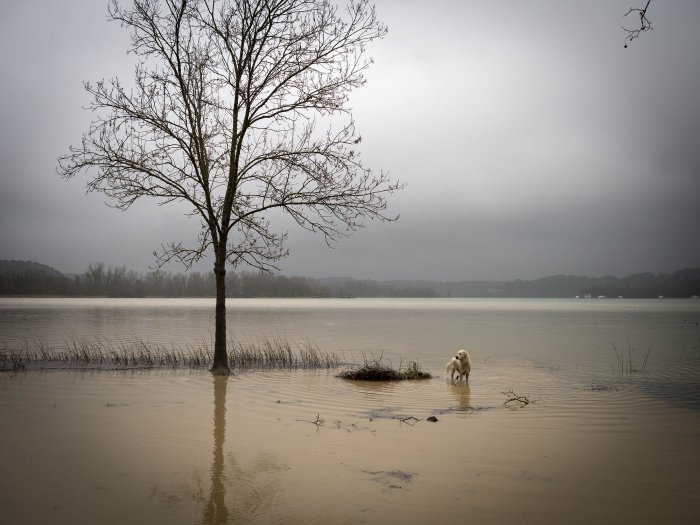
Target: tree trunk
[(220, 365)]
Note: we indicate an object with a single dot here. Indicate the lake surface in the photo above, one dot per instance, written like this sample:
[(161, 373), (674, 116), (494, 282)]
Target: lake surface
[(596, 444)]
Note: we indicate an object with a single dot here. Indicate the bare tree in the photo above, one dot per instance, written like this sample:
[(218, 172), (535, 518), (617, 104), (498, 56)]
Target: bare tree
[(644, 23), (95, 278), (227, 116)]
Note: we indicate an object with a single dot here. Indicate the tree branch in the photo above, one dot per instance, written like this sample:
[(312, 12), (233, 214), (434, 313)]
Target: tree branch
[(644, 24)]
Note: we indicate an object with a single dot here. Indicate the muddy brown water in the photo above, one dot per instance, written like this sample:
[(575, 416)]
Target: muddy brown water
[(595, 445)]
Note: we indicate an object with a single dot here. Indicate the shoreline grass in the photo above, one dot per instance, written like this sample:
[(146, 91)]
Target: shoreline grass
[(135, 353)]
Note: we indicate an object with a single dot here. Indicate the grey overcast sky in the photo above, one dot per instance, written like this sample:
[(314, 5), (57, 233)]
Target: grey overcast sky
[(532, 143)]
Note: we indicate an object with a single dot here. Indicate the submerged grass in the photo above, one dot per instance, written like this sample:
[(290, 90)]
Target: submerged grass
[(134, 353), (279, 353), (82, 353), (623, 360), (376, 369)]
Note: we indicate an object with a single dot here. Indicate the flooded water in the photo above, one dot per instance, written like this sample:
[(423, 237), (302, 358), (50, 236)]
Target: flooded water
[(596, 444)]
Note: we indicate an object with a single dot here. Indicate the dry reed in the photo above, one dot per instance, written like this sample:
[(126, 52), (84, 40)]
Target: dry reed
[(623, 360), (85, 353)]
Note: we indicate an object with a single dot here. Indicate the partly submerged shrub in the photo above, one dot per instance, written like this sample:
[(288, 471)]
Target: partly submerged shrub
[(413, 371), (380, 370)]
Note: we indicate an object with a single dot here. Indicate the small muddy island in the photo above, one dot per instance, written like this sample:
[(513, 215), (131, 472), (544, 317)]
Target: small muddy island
[(377, 369)]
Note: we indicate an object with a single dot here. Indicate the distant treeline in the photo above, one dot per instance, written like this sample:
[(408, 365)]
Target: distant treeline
[(32, 278)]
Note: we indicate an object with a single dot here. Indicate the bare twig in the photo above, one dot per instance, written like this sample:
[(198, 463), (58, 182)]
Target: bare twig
[(602, 388), (646, 358), (645, 23), (515, 400)]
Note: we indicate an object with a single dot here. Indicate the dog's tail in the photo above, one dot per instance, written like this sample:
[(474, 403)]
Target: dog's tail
[(467, 366)]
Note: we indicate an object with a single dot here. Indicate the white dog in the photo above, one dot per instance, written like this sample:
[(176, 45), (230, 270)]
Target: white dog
[(460, 364)]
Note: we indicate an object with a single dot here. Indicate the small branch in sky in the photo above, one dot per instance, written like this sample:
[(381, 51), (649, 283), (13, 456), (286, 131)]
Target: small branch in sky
[(645, 24)]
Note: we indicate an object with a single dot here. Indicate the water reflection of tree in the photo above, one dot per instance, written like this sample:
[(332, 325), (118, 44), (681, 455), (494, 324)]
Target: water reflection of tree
[(216, 512), (246, 493)]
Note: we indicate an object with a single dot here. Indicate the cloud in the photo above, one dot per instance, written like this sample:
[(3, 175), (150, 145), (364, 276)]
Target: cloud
[(531, 143)]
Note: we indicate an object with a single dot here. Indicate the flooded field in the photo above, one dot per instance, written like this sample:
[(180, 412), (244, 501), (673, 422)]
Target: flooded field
[(597, 443)]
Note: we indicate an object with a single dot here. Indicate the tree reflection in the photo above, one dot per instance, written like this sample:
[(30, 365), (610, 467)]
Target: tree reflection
[(216, 512)]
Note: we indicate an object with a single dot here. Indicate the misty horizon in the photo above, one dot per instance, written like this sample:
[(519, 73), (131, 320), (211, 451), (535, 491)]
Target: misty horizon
[(22, 278), (176, 269)]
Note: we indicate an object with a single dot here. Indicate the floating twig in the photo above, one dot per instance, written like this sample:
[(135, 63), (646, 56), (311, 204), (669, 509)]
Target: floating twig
[(514, 400)]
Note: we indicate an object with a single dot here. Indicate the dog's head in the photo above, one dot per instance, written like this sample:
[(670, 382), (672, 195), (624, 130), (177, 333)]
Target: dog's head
[(462, 355)]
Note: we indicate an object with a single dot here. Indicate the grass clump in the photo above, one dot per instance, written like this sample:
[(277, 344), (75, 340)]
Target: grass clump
[(623, 360), (11, 360), (279, 353), (377, 369)]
